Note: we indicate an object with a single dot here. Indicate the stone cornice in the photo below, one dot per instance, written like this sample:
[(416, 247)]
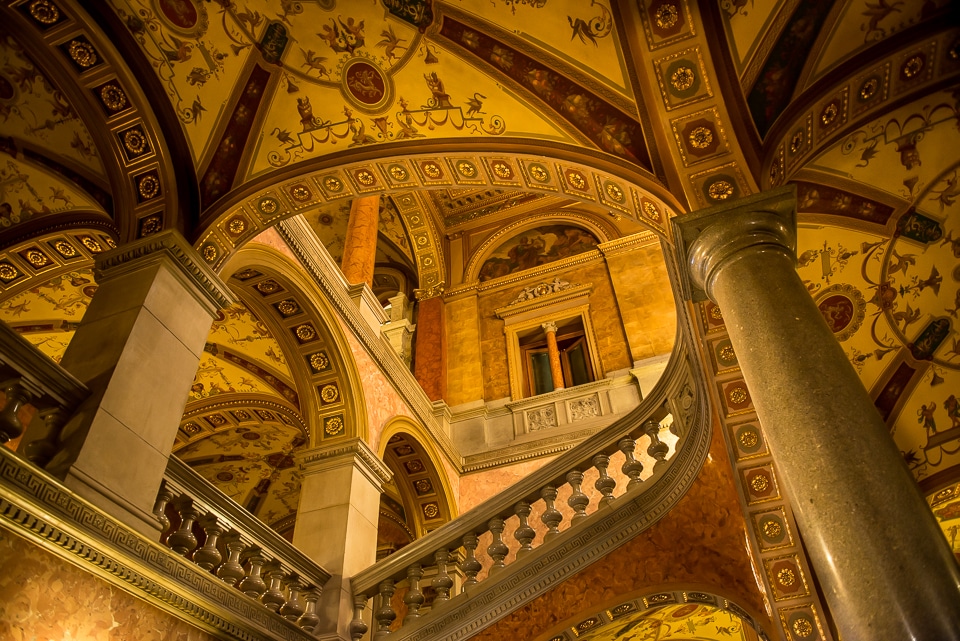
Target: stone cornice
[(353, 450), (170, 246), (628, 243), (36, 506), (296, 233), (542, 270), (546, 300)]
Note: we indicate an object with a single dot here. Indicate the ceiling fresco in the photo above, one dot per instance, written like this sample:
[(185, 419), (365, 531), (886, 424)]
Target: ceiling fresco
[(35, 111), (28, 191), (945, 504), (746, 22), (241, 355), (47, 315), (250, 458), (863, 23), (890, 289)]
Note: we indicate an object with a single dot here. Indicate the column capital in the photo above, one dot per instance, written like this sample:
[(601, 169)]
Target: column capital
[(173, 249), (433, 291), (709, 238), (352, 451), (549, 326)]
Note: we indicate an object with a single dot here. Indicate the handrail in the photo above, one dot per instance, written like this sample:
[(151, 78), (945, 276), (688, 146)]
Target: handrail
[(673, 395)]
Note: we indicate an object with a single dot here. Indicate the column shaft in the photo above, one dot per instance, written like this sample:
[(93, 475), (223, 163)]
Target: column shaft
[(556, 371), (886, 570), (360, 243), (430, 365)]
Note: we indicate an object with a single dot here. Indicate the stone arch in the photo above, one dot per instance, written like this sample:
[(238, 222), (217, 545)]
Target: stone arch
[(318, 350), (421, 478), (602, 229), (626, 191)]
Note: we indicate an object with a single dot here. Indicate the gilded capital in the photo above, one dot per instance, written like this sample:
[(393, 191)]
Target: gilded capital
[(708, 239), (549, 326)]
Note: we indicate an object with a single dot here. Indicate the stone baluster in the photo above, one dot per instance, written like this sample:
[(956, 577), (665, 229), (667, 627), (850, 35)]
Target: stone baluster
[(413, 599), (497, 550), (578, 501), (17, 397), (631, 466), (183, 541), (164, 496), (292, 608), (253, 584), (208, 556), (551, 516), (385, 613), (273, 598), (40, 450), (358, 627), (657, 449), (231, 571), (605, 484), (442, 582), (470, 566), (524, 534), (308, 620)]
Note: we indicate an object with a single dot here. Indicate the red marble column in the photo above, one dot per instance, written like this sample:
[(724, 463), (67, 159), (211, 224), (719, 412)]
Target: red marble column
[(556, 372), (360, 244), (430, 367)]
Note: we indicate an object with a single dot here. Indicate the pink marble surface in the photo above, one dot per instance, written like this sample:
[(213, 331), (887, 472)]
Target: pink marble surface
[(43, 598), (380, 399)]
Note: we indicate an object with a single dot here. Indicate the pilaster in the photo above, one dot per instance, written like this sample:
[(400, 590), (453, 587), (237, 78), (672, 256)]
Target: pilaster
[(137, 350)]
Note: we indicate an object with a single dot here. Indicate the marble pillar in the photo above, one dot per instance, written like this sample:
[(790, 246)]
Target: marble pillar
[(553, 353), (137, 349), (337, 521), (360, 243), (886, 571), (430, 365)]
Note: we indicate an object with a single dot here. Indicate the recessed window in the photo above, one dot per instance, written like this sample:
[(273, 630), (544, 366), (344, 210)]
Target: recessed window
[(573, 353)]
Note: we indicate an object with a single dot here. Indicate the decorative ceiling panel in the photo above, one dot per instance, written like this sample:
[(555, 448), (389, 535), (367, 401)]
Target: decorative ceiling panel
[(34, 110), (863, 24), (748, 25)]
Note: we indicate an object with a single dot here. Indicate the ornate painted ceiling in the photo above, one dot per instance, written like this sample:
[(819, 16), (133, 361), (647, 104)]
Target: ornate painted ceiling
[(220, 118)]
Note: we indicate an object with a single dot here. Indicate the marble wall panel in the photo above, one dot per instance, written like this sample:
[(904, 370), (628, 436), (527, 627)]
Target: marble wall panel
[(464, 376), (641, 286), (42, 597)]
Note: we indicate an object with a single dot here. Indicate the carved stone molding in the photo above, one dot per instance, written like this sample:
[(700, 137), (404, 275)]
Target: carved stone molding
[(36, 506), (355, 450), (170, 246)]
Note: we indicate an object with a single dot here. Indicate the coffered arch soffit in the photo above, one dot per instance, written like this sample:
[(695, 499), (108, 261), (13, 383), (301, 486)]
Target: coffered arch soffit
[(626, 192), (115, 148), (331, 398), (428, 496)]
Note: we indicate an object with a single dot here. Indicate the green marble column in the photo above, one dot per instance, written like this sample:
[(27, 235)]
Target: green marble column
[(885, 568)]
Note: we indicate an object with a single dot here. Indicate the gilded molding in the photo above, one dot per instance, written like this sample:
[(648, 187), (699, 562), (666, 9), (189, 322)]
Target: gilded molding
[(628, 243), (36, 506), (540, 271), (172, 246)]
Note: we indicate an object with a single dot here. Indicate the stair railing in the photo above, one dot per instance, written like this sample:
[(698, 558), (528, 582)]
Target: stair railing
[(476, 546)]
